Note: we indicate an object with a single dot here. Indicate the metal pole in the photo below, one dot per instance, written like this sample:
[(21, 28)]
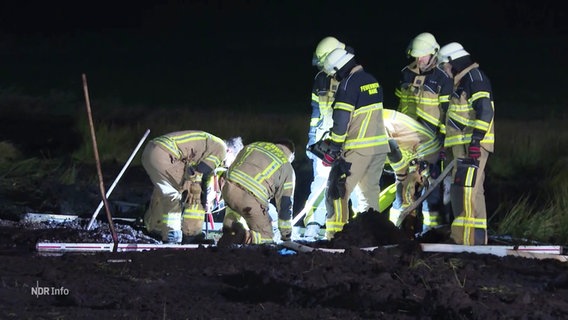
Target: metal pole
[(98, 164), (96, 213)]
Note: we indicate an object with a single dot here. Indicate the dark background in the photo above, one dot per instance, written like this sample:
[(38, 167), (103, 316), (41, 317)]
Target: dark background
[(230, 54)]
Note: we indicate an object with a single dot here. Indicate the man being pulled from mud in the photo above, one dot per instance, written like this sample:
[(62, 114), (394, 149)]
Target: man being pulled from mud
[(261, 172), (180, 166), (414, 151)]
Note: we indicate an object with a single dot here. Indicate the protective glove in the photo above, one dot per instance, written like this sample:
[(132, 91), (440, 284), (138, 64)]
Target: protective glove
[(474, 150), (193, 188)]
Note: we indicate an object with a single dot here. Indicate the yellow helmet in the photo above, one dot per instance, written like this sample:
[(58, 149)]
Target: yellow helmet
[(325, 47), (423, 45), (336, 60), (450, 52)]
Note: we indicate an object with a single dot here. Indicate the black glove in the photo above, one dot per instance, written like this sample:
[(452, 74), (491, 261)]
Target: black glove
[(337, 179)]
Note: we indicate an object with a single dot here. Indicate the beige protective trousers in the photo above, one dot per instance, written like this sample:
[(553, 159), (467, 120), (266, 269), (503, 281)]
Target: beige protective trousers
[(164, 213), (468, 203), (241, 203), (366, 171)]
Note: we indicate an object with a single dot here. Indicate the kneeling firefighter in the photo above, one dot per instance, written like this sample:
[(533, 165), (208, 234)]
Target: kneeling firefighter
[(180, 165), (262, 172), (413, 157)]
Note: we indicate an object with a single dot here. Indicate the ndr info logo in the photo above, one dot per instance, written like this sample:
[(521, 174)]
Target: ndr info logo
[(48, 291)]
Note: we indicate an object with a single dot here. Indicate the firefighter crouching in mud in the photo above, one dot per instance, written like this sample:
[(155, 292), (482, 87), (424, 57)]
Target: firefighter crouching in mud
[(261, 172), (413, 157), (180, 165)]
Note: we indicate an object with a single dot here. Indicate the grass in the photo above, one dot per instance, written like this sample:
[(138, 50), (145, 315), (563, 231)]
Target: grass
[(527, 175)]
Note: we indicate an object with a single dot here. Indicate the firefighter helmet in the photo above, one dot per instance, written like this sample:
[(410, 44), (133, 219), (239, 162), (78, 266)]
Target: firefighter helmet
[(450, 52), (325, 47), (423, 45), (336, 60)]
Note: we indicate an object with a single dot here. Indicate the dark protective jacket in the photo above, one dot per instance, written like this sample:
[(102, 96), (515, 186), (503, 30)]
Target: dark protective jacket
[(425, 97), (471, 111), (357, 114)]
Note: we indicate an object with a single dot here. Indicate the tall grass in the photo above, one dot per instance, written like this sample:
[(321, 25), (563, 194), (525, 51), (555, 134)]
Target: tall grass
[(527, 176), (118, 134), (531, 164)]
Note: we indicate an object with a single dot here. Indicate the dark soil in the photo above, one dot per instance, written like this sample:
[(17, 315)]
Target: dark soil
[(253, 282)]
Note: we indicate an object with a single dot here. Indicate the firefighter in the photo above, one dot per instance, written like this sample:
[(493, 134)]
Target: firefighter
[(414, 153), (180, 165), (357, 146), (424, 93), (323, 92), (470, 138), (261, 173)]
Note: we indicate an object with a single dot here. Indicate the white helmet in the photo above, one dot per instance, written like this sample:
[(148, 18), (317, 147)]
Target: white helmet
[(423, 45), (336, 60), (450, 52), (325, 47)]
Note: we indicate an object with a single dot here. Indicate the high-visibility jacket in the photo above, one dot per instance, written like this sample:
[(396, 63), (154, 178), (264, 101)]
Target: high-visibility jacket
[(425, 96), (415, 141), (471, 111), (357, 114), (194, 147), (263, 169)]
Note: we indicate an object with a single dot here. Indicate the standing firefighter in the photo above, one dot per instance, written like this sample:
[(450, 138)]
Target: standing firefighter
[(470, 135), (414, 152), (180, 165), (261, 172), (357, 147), (321, 121), (424, 94)]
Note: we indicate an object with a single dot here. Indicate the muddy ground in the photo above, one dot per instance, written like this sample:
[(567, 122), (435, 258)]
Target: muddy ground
[(262, 282)]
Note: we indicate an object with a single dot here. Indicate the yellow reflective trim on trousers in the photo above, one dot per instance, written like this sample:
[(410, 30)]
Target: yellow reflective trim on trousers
[(169, 144), (344, 106), (194, 212), (471, 222), (315, 98), (314, 122), (258, 239), (336, 224)]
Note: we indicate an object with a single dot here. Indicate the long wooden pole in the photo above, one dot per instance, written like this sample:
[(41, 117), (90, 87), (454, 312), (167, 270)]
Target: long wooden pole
[(98, 164)]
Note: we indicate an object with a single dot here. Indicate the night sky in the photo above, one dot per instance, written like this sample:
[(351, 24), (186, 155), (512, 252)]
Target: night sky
[(237, 52)]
